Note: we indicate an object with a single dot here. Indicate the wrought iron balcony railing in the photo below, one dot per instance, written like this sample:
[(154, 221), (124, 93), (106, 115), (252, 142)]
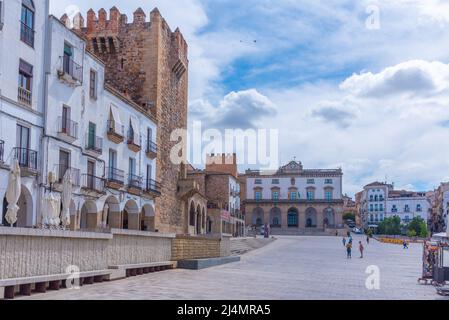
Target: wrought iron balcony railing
[(24, 97), (61, 169), (94, 143), (135, 182), (27, 158), (115, 175), (26, 34), (91, 182), (70, 67), (68, 127), (153, 186)]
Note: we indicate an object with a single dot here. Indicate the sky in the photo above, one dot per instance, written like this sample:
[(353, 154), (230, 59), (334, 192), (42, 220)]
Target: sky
[(361, 85)]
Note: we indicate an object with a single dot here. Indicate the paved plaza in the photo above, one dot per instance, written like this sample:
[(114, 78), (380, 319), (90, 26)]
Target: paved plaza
[(290, 268)]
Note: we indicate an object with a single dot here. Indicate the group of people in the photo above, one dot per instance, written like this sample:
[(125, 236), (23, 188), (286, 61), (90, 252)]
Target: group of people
[(349, 243)]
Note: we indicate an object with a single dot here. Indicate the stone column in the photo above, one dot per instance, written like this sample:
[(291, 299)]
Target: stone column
[(302, 219), (320, 219), (284, 218), (266, 216)]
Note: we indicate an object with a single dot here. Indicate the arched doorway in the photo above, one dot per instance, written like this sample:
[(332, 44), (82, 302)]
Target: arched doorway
[(192, 214), (203, 219), (147, 221), (292, 218), (209, 225), (25, 213), (88, 218), (131, 216), (311, 218), (198, 220), (258, 217), (329, 217), (275, 217), (112, 214)]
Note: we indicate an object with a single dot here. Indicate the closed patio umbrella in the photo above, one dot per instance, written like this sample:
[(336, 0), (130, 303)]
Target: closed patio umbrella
[(54, 205), (104, 221), (13, 193), (66, 198)]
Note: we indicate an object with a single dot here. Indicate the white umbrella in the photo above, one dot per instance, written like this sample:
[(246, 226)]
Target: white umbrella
[(54, 205), (66, 198), (105, 215), (13, 193)]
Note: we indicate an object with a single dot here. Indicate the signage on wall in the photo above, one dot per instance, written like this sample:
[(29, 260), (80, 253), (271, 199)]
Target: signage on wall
[(225, 215)]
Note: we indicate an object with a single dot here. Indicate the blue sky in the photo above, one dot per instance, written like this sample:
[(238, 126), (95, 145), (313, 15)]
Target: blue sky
[(342, 94)]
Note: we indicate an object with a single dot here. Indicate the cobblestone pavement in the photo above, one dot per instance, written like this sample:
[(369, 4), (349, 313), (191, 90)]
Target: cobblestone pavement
[(290, 268)]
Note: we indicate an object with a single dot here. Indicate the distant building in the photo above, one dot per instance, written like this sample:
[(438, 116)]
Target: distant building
[(379, 201), (294, 200), (440, 208)]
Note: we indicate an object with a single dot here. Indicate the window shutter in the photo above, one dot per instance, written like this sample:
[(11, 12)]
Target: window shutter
[(26, 68), (2, 9)]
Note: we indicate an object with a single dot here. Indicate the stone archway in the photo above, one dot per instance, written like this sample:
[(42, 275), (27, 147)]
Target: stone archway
[(25, 213), (275, 217), (130, 219), (147, 221), (113, 216), (198, 220), (192, 214), (311, 218), (89, 216), (258, 217), (293, 218)]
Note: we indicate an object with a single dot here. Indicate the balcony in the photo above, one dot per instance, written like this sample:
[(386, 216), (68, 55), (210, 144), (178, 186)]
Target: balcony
[(115, 178), (94, 145), (26, 34), (92, 183), (70, 72), (133, 144), (151, 150), (116, 132), (27, 161), (152, 188), (135, 184), (2, 150), (61, 169), (67, 129), (24, 97)]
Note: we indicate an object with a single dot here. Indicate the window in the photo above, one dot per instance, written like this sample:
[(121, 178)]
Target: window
[(132, 166), (258, 181), (91, 136), (328, 195), (112, 159), (328, 181), (371, 218), (275, 181), (381, 207), (1, 15), (407, 208), (68, 58), (275, 195), (376, 198), (310, 181), (376, 207), (25, 75), (394, 208), (27, 23), (23, 144), (310, 195), (371, 198), (371, 208), (93, 84), (258, 195), (418, 208), (293, 195), (64, 163)]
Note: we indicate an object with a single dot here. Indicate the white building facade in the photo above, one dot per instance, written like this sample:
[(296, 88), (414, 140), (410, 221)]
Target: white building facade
[(23, 30), (106, 141), (380, 201)]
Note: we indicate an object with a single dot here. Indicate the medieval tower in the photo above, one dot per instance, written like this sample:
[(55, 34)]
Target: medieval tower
[(148, 62)]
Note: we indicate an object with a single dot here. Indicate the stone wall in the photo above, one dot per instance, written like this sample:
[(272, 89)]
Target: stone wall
[(32, 252), (185, 247)]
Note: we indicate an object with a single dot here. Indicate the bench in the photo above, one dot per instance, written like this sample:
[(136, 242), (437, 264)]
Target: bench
[(132, 270), (9, 287)]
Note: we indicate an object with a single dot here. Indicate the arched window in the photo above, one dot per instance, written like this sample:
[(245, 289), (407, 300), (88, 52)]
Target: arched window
[(292, 218)]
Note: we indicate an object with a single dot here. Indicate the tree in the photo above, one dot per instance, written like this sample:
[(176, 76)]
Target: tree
[(390, 226), (419, 226), (349, 216)]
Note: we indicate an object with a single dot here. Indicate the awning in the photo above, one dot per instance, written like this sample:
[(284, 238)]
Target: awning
[(136, 128), (116, 115)]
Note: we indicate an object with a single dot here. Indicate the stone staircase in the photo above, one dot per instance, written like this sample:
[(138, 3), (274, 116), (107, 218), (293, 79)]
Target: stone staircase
[(240, 246)]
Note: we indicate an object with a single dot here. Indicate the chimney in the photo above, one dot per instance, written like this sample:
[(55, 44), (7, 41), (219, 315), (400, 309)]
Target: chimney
[(65, 20)]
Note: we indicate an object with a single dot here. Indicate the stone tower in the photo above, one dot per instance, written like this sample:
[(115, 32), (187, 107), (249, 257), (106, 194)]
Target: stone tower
[(148, 62)]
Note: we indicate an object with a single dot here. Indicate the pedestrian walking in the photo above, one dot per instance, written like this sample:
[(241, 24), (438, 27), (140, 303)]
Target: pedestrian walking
[(344, 242), (350, 240), (405, 244), (361, 248), (349, 250), (367, 240)]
